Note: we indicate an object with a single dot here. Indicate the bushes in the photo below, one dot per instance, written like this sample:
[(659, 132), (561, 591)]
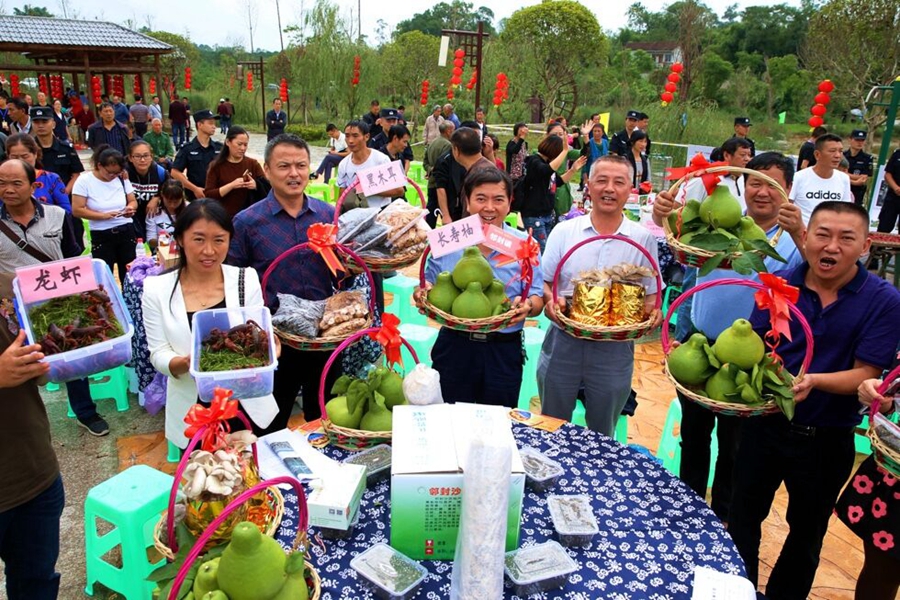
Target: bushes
[(310, 133)]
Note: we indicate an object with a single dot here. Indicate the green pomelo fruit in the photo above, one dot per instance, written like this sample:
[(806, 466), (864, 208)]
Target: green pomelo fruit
[(206, 580), (443, 292), (378, 417), (252, 565), (472, 303), (215, 595), (496, 293), (720, 384), (294, 587), (391, 388), (739, 345), (340, 415), (473, 266), (688, 362), (721, 209)]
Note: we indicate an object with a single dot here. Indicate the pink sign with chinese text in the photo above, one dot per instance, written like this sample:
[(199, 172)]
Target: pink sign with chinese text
[(456, 236), (382, 178), (501, 241), (58, 278)]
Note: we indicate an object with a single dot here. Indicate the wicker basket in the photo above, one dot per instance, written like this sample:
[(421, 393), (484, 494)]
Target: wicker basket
[(695, 257), (329, 343), (732, 408), (485, 325), (164, 531), (399, 261), (345, 437), (599, 333), (886, 457), (300, 540)]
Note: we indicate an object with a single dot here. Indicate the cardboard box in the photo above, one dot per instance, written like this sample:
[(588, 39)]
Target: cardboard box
[(334, 499), (430, 444), (165, 257)]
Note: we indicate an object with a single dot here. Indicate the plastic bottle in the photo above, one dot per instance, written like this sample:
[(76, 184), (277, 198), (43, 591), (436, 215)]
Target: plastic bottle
[(140, 249)]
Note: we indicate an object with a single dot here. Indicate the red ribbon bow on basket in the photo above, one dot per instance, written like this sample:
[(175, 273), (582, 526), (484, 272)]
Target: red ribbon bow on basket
[(215, 417), (528, 256), (776, 297), (698, 163), (322, 239), (388, 335)]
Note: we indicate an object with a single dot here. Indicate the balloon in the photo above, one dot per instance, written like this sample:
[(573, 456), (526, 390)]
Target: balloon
[(822, 98), (459, 53), (818, 110), (815, 121), (671, 87), (826, 86), (677, 67), (674, 77), (667, 96)]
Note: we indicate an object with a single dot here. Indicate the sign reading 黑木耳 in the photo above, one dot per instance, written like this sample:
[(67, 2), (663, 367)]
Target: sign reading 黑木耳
[(382, 178), (58, 278), (456, 236)]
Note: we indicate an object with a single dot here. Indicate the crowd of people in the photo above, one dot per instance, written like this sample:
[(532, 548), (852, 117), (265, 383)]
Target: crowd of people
[(232, 217)]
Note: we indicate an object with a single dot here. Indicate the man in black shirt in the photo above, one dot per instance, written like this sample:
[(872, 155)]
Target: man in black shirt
[(451, 170), (388, 118), (807, 156), (397, 145), (890, 210), (741, 129), (371, 117), (192, 161), (56, 157), (619, 143), (276, 120), (860, 165), (108, 131)]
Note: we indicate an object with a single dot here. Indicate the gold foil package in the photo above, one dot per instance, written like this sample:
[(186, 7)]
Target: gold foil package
[(591, 304), (627, 306), (610, 296)]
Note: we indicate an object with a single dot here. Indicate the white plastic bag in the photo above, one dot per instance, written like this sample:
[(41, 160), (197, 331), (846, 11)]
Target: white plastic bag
[(422, 386)]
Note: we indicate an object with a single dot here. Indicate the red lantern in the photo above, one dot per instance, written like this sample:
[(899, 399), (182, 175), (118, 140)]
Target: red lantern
[(14, 85), (42, 83), (424, 99), (822, 98), (249, 81), (818, 110), (677, 67), (283, 90), (815, 121), (450, 93), (95, 89), (826, 86), (674, 77), (152, 86), (671, 87), (459, 53), (187, 78), (667, 96), (457, 71)]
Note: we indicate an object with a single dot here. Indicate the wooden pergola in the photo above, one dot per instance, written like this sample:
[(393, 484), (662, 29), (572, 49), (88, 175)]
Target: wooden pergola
[(74, 48)]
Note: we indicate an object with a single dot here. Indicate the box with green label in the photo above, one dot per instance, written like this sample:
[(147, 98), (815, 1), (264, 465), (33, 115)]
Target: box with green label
[(430, 445)]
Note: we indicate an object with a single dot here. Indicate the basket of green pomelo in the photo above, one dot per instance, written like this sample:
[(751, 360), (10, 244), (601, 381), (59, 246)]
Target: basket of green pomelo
[(359, 414), (736, 375), (470, 298), (714, 233)]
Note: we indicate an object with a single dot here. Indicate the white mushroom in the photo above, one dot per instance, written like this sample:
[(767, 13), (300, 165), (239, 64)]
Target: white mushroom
[(198, 484)]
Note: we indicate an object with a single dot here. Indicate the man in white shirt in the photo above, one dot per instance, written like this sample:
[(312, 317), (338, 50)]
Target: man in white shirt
[(432, 122), (603, 369), (361, 158), (337, 150), (822, 181), (155, 109)]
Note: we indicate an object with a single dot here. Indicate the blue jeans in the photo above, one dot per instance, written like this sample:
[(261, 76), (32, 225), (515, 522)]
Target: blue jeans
[(331, 161), (29, 545), (80, 400), (540, 228), (225, 124), (179, 134)]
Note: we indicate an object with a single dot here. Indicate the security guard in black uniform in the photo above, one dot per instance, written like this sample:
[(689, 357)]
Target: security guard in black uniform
[(741, 129), (388, 118), (860, 165), (56, 157), (620, 142), (192, 161)]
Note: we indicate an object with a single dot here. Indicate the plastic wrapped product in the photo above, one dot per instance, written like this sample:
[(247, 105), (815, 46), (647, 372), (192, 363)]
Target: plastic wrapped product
[(422, 386), (354, 222), (391, 575), (541, 473), (377, 461), (539, 568), (573, 518), (298, 316)]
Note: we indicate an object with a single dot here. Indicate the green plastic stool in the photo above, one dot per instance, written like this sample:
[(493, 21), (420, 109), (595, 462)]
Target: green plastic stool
[(512, 219), (534, 339), (319, 190), (421, 338), (416, 172), (621, 424), (108, 384), (669, 451), (542, 321), (668, 299), (132, 502), (401, 288), (335, 191), (87, 238), (174, 453)]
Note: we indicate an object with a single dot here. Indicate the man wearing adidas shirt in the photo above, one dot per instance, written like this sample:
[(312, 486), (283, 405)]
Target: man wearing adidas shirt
[(822, 182)]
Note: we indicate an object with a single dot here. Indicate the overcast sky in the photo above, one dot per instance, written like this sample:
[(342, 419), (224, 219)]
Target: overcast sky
[(223, 22)]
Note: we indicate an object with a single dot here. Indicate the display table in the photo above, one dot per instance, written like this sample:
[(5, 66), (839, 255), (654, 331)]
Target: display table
[(653, 528)]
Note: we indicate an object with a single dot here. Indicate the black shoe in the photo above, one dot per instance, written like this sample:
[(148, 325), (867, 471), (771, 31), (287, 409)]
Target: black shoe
[(314, 176), (96, 425)]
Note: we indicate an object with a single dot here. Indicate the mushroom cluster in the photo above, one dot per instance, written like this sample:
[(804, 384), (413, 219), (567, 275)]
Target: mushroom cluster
[(217, 473)]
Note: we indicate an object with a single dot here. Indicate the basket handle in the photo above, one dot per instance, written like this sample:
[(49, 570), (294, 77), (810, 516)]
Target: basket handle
[(355, 186), (621, 238), (667, 344), (885, 385), (197, 549), (340, 247), (337, 352), (526, 281), (179, 471)]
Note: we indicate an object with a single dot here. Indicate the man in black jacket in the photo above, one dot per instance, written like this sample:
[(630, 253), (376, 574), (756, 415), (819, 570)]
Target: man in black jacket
[(276, 120)]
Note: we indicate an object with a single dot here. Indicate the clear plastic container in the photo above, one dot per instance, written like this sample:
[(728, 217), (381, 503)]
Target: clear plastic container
[(573, 518), (392, 575), (541, 473), (539, 568), (333, 533), (78, 364), (377, 461), (245, 383)]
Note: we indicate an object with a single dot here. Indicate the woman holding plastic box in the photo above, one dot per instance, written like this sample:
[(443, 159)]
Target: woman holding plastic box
[(201, 281), (486, 367)]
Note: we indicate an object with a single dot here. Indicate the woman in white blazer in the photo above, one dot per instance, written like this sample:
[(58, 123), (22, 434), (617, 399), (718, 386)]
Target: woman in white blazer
[(202, 281)]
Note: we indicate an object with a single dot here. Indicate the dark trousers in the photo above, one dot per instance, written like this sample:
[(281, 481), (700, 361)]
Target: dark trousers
[(29, 545), (300, 371), (140, 128), (890, 210), (433, 208), (79, 392), (115, 247), (328, 163), (814, 467), (488, 372), (179, 134), (697, 424)]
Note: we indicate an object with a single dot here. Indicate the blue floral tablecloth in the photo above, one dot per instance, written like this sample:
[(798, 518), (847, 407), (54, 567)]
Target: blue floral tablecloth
[(653, 529)]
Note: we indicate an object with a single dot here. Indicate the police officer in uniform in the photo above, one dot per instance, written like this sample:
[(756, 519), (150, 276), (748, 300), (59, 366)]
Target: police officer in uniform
[(192, 161), (620, 142), (56, 157), (741, 129), (860, 165), (388, 118)]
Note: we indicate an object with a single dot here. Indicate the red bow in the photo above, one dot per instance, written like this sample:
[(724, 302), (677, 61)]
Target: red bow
[(323, 238), (215, 419), (389, 337), (698, 163), (646, 187), (776, 297), (528, 256)]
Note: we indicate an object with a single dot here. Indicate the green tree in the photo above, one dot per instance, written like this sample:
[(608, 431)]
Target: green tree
[(172, 65), (624, 83), (409, 59), (714, 72), (32, 11), (455, 15)]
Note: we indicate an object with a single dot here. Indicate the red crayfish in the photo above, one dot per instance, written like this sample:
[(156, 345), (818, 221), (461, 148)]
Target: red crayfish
[(102, 325), (248, 339)]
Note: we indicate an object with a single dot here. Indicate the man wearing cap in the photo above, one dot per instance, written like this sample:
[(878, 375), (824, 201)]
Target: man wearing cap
[(194, 158), (224, 112), (389, 118), (741, 129), (276, 120), (432, 122), (619, 144), (56, 157), (860, 165), (140, 115)]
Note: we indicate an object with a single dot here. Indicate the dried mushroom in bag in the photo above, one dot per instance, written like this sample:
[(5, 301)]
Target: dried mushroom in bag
[(355, 222), (343, 307), (298, 316)]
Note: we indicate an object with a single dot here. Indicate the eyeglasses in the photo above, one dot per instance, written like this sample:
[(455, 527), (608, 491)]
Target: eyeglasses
[(110, 173), (141, 156)]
